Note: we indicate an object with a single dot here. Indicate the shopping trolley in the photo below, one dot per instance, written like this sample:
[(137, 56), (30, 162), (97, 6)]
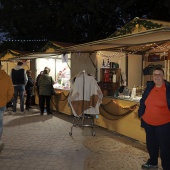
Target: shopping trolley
[(84, 99)]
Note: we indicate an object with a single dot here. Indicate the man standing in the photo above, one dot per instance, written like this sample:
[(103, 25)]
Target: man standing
[(6, 93), (19, 79)]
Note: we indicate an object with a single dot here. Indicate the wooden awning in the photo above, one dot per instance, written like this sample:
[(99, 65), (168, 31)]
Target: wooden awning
[(131, 43)]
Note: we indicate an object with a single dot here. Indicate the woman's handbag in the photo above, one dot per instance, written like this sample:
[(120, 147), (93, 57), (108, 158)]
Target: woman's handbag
[(148, 70), (52, 89)]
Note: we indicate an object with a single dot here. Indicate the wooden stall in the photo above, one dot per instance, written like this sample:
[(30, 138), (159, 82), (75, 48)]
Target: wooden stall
[(116, 114), (127, 47), (9, 64), (60, 101)]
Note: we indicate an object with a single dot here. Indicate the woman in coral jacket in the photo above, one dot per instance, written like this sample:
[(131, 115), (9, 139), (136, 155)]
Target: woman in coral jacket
[(154, 112), (6, 94)]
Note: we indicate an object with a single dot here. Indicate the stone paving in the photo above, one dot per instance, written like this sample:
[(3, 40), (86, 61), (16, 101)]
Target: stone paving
[(42, 142)]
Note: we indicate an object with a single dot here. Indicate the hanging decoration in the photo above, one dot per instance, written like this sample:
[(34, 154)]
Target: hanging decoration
[(163, 48), (136, 23), (116, 54), (126, 107), (114, 111)]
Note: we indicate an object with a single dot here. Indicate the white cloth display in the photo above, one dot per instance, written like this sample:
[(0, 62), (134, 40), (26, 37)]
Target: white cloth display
[(85, 95)]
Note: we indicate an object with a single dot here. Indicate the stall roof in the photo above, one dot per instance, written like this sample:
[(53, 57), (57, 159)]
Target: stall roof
[(55, 45), (35, 55), (139, 25), (142, 41), (132, 43), (12, 54)]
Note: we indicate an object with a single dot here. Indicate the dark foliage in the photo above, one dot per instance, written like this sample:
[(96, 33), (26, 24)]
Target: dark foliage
[(30, 24)]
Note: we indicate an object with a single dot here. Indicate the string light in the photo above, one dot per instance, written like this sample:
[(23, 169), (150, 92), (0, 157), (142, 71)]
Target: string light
[(117, 54), (153, 46), (20, 40), (126, 107)]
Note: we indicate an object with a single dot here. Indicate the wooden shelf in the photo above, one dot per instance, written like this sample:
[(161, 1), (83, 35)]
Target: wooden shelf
[(106, 83)]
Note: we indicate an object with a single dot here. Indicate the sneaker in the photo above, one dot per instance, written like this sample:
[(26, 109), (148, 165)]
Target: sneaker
[(148, 166), (22, 112), (2, 145)]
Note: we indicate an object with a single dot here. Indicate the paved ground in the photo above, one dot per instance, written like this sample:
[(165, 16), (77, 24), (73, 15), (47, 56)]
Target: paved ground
[(36, 142)]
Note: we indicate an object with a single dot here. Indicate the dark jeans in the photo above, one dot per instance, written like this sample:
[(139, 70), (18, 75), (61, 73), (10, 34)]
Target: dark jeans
[(19, 91), (28, 99), (44, 100), (158, 137)]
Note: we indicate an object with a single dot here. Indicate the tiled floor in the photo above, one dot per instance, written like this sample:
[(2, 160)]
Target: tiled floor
[(36, 142)]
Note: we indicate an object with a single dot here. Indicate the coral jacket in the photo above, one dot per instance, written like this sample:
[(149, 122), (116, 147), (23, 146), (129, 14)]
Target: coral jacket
[(6, 88)]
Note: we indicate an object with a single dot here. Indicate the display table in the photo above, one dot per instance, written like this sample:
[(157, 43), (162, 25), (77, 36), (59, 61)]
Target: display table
[(120, 116), (60, 101)]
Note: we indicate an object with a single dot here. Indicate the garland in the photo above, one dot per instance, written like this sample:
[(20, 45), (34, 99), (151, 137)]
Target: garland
[(126, 107), (115, 116), (136, 23)]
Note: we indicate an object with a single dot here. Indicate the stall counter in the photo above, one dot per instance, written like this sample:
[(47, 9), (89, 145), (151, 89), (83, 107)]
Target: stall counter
[(121, 116), (60, 101)]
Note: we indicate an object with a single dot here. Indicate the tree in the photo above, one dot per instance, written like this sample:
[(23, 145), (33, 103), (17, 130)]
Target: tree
[(29, 24)]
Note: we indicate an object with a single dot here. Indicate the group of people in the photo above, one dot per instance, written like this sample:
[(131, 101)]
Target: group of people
[(16, 84), (154, 109), (22, 81)]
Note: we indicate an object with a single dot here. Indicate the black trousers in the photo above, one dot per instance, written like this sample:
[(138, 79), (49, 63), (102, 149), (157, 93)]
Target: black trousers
[(158, 138), (44, 100), (28, 98)]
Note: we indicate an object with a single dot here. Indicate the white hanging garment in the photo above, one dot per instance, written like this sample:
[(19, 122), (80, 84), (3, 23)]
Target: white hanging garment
[(85, 95)]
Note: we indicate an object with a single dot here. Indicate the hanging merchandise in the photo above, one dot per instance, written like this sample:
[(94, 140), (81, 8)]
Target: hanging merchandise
[(133, 94), (106, 75), (114, 77), (108, 63), (103, 64)]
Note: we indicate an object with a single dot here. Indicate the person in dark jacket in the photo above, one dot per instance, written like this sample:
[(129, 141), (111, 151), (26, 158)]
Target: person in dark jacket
[(45, 84), (154, 112), (19, 79), (38, 77), (41, 72), (29, 89)]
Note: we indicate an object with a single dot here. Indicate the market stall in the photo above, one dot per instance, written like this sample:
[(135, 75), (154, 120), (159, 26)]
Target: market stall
[(10, 64), (126, 48)]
